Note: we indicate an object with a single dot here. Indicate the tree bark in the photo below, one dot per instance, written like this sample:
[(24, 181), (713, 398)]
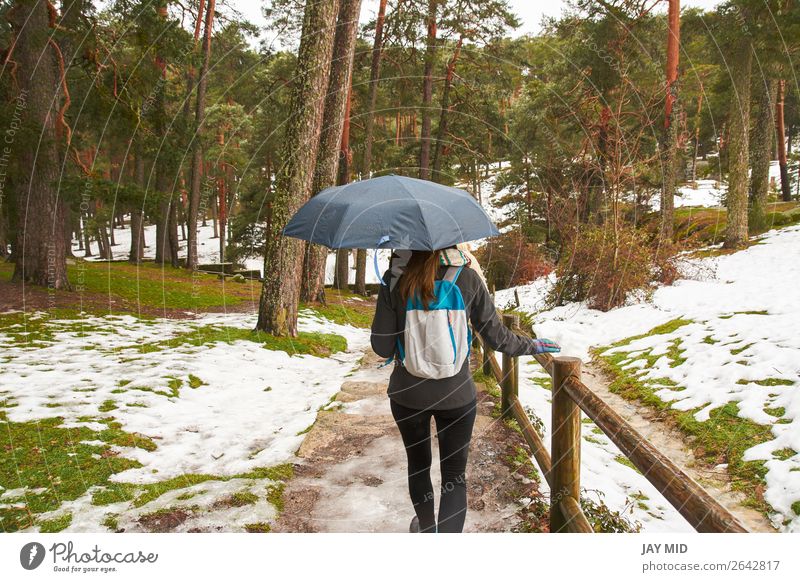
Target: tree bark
[(283, 256), (786, 188), (670, 141), (374, 78), (445, 110), (197, 146), (41, 245), (136, 251), (427, 92), (336, 116), (736, 234), (342, 278), (760, 149)]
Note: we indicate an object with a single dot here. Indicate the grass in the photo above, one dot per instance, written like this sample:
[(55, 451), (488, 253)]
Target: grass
[(706, 226), (151, 285), (768, 382), (141, 495), (56, 524), (722, 438), (312, 343), (344, 308), (44, 455), (37, 329)]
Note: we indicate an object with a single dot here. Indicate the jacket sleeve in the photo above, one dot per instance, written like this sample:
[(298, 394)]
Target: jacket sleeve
[(487, 323), (384, 325)]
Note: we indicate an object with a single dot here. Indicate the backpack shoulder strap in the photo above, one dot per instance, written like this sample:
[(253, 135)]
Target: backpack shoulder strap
[(452, 273)]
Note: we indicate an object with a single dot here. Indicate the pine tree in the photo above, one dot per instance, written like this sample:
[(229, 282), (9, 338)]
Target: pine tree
[(283, 257), (736, 233), (328, 156), (41, 245)]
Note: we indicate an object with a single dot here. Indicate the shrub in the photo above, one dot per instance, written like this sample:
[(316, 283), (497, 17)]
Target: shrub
[(605, 270), (509, 260)]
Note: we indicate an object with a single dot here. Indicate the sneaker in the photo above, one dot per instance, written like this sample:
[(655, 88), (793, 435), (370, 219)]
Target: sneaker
[(414, 527)]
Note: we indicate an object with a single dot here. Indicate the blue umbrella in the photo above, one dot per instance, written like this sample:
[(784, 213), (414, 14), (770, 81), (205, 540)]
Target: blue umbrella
[(391, 212)]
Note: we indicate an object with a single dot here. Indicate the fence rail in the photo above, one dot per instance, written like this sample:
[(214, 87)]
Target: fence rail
[(561, 464)]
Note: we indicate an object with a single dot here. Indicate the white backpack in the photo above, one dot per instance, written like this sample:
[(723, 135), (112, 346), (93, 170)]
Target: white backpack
[(437, 340)]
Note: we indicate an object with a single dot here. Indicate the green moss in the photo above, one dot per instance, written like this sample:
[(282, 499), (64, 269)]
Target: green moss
[(762, 312), (796, 507), (623, 460), (738, 351), (768, 382), (111, 521), (776, 412), (242, 498), (260, 527), (591, 439), (784, 454), (313, 343), (43, 454), (275, 495), (663, 329), (142, 494), (107, 406), (195, 382), (56, 524)]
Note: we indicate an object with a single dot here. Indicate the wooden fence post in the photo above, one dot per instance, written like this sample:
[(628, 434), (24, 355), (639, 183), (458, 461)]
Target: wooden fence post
[(510, 382), (565, 442)]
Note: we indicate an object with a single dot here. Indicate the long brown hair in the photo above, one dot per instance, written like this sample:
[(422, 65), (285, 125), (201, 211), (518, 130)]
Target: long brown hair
[(418, 277)]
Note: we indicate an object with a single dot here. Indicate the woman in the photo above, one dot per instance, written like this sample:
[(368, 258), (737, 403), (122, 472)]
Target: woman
[(451, 400)]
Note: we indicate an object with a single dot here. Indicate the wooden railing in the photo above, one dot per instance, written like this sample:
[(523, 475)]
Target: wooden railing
[(561, 464)]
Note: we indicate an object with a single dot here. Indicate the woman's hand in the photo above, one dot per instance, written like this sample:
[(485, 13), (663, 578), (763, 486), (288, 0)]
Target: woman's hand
[(545, 345)]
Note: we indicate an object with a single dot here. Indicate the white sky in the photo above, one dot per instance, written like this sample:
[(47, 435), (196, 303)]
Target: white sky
[(530, 12)]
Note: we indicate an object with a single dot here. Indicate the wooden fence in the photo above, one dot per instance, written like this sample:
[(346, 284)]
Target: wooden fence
[(561, 464)]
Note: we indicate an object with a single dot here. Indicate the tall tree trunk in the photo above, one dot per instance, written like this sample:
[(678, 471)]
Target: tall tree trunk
[(198, 25), (136, 251), (441, 131), (374, 78), (786, 189), (427, 92), (736, 235), (342, 276), (41, 245), (760, 149), (197, 147), (283, 256), (670, 141), (336, 116), (372, 100)]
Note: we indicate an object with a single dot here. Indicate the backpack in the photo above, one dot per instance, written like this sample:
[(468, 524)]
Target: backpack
[(437, 340)]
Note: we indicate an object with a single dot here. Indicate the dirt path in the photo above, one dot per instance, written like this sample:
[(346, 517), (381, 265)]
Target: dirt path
[(672, 443), (350, 475)]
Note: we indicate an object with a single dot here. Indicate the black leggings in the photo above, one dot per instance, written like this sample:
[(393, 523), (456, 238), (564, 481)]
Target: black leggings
[(454, 430)]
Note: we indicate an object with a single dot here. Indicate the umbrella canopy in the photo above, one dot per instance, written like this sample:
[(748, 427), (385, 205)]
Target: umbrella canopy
[(392, 212)]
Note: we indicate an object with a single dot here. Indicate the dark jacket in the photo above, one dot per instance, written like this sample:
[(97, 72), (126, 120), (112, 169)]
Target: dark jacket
[(458, 390)]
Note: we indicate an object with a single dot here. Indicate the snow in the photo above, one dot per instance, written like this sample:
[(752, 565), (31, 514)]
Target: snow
[(247, 413), (742, 323)]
